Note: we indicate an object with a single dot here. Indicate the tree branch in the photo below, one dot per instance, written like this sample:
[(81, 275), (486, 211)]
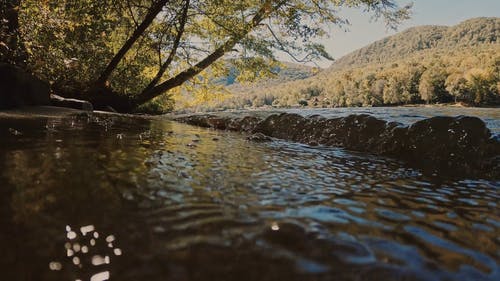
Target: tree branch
[(264, 11), (154, 10), (173, 52), (284, 49)]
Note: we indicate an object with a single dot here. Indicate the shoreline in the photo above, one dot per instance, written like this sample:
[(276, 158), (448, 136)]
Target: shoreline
[(280, 109), (55, 112), (454, 146)]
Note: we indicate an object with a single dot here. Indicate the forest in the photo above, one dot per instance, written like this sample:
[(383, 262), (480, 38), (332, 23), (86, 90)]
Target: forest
[(422, 65), (140, 53)]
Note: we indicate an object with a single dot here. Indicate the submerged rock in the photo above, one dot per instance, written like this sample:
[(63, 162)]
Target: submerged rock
[(461, 146)]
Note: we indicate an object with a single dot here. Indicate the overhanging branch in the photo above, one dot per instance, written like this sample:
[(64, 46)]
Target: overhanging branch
[(264, 11)]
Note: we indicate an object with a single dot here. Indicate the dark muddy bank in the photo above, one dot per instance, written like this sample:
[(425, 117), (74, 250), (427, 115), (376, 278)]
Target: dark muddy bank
[(454, 146)]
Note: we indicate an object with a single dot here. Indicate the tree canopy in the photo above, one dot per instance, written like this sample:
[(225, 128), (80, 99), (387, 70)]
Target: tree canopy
[(126, 53)]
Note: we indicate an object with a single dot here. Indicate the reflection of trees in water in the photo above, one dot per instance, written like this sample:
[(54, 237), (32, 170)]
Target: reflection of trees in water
[(58, 172), (69, 169)]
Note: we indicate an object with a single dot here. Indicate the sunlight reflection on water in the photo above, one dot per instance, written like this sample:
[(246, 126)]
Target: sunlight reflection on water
[(84, 250)]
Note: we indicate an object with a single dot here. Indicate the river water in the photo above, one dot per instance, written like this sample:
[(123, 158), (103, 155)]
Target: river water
[(118, 198)]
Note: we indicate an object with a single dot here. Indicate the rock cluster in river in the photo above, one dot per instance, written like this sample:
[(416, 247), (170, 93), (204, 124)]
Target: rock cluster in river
[(460, 146)]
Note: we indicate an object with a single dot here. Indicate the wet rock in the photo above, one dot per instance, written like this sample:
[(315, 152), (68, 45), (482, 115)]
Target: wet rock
[(449, 143), (70, 103), (218, 123), (259, 137), (357, 132), (459, 146), (246, 124), (109, 109), (206, 121), (20, 88), (195, 120), (285, 126)]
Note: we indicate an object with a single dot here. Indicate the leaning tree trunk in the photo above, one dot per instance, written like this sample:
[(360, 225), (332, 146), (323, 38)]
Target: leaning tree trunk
[(103, 97), (11, 48), (152, 92), (150, 16)]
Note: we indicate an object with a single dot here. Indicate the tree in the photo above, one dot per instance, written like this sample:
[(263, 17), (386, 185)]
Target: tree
[(169, 42), (482, 84), (432, 85), (11, 49), (457, 86), (394, 88), (378, 92)]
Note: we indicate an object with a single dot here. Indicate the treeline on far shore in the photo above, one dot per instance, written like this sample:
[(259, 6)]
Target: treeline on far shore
[(468, 75)]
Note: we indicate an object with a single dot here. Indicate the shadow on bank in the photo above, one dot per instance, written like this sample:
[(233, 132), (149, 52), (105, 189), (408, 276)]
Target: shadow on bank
[(19, 88)]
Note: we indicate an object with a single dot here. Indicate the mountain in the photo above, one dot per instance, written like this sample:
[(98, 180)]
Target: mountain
[(426, 64), (469, 33), (287, 71)]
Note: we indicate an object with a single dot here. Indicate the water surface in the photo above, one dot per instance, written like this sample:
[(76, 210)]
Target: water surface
[(103, 197)]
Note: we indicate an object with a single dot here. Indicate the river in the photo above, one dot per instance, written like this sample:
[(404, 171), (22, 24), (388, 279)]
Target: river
[(98, 197)]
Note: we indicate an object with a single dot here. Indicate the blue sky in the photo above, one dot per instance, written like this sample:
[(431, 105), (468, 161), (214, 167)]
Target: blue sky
[(364, 31)]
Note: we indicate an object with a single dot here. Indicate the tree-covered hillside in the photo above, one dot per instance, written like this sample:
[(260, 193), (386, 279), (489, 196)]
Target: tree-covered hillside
[(238, 79), (280, 73), (425, 64), (469, 33)]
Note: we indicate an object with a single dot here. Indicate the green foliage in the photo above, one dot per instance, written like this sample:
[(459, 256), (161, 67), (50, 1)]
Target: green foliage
[(73, 43), (458, 87), (160, 105), (482, 84), (70, 42), (432, 85), (469, 33), (12, 49)]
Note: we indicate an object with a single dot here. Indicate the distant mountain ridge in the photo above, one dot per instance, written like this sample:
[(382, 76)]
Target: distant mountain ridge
[(287, 72), (469, 33)]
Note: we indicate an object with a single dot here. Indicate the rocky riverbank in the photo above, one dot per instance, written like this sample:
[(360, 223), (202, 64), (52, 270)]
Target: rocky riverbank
[(456, 146), (19, 88)]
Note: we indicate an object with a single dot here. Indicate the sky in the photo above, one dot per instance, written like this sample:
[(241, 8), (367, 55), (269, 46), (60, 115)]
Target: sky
[(363, 30)]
